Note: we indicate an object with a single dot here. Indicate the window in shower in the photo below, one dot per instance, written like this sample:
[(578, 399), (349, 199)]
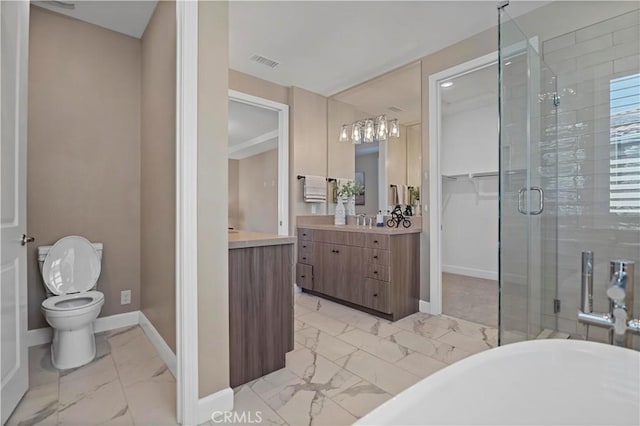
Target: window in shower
[(624, 105)]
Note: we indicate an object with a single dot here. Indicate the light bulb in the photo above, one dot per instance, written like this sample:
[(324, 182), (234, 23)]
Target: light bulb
[(369, 131), (381, 128), (394, 129), (356, 133), (344, 133)]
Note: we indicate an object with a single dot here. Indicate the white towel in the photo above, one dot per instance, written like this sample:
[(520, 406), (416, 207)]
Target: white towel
[(315, 189), (402, 195)]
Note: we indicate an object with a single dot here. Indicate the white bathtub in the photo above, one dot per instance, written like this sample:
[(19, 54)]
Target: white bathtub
[(541, 382)]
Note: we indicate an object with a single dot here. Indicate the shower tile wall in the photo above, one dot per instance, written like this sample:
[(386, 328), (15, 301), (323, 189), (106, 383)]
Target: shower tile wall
[(586, 61)]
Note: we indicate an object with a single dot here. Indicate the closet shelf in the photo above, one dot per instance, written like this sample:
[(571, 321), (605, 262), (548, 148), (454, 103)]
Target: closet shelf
[(471, 175)]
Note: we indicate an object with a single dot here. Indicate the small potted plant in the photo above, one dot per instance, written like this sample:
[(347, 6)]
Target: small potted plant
[(347, 192)]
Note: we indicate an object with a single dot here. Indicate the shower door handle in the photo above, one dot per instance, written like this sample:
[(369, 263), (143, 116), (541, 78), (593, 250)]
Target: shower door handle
[(521, 193)]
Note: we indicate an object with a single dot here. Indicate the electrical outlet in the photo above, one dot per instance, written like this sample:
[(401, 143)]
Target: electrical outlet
[(125, 297)]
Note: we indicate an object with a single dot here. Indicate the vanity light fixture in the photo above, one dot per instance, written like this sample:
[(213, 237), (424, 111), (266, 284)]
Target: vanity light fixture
[(370, 130), (446, 84)]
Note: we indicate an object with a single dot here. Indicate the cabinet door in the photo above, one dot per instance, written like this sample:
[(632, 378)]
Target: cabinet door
[(335, 267), (304, 276)]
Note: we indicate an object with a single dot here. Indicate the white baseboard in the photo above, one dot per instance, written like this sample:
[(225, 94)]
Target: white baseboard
[(41, 336), (470, 272), (113, 322), (424, 306), (165, 352), (213, 404)]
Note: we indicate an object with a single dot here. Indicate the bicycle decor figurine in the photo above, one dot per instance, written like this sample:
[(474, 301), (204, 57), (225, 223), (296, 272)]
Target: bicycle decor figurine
[(398, 218)]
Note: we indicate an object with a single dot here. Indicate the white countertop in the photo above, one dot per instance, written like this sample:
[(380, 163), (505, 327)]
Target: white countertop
[(245, 239), (385, 230)]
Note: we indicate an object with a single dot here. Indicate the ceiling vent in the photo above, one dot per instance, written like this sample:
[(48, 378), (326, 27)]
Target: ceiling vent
[(395, 109), (265, 61)]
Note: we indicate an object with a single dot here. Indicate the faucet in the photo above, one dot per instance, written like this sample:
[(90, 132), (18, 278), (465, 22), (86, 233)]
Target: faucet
[(620, 288)]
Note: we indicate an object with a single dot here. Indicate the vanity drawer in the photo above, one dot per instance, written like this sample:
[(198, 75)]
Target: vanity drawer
[(306, 252), (344, 238), (379, 257), (378, 272), (304, 276), (377, 295), (305, 234), (377, 241)]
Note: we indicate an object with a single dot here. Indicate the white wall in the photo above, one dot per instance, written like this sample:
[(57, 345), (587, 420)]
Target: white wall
[(470, 207), (470, 137), (368, 164)]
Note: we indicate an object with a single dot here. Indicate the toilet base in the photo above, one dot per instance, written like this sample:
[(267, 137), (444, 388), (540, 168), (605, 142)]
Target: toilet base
[(73, 348)]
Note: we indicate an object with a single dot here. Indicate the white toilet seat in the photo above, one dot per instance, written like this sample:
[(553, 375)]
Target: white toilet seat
[(70, 304)]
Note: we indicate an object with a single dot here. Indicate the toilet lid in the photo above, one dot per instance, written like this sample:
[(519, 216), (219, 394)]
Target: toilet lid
[(72, 266)]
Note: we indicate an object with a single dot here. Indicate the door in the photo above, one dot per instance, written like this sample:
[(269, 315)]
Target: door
[(14, 32), (528, 178)]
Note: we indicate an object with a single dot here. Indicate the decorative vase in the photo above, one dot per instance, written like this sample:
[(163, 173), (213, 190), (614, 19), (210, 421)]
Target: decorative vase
[(351, 206), (339, 217)]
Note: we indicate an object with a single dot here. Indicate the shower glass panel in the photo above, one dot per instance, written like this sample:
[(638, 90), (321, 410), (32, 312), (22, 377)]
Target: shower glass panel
[(528, 181)]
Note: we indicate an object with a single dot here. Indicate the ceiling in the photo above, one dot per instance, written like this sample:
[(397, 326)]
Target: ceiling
[(399, 89), (326, 46), (477, 87), (252, 130), (126, 17)]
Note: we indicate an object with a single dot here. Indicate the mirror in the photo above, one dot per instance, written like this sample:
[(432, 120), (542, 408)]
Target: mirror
[(389, 168), (253, 167)]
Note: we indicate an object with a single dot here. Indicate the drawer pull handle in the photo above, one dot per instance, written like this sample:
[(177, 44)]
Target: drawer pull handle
[(301, 276), (304, 258), (337, 251), (304, 235), (304, 246), (375, 272), (375, 294), (375, 257), (375, 241)]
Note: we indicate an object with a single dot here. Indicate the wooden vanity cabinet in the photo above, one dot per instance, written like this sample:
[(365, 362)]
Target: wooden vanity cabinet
[(375, 272)]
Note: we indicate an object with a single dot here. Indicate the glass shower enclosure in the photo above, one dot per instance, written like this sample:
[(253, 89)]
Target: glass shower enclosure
[(528, 180)]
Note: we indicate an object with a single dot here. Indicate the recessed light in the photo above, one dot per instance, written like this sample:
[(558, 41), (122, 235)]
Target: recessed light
[(446, 84)]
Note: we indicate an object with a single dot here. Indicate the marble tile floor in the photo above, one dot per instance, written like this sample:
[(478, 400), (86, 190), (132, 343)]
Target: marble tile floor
[(470, 298), (345, 363), (127, 384)]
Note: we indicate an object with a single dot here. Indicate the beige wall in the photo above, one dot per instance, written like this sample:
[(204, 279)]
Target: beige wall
[(84, 150), (307, 147), (414, 155), (546, 22), (258, 192), (234, 193), (255, 86), (157, 168), (396, 160), (213, 266), (340, 155)]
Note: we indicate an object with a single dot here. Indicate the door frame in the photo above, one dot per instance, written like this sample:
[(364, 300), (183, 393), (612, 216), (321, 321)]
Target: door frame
[(17, 380), (435, 178), (187, 393), (283, 151)]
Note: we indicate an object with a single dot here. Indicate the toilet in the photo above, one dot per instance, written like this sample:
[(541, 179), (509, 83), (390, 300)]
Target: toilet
[(70, 269)]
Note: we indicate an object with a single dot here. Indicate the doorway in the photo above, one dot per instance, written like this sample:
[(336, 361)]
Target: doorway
[(464, 191)]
